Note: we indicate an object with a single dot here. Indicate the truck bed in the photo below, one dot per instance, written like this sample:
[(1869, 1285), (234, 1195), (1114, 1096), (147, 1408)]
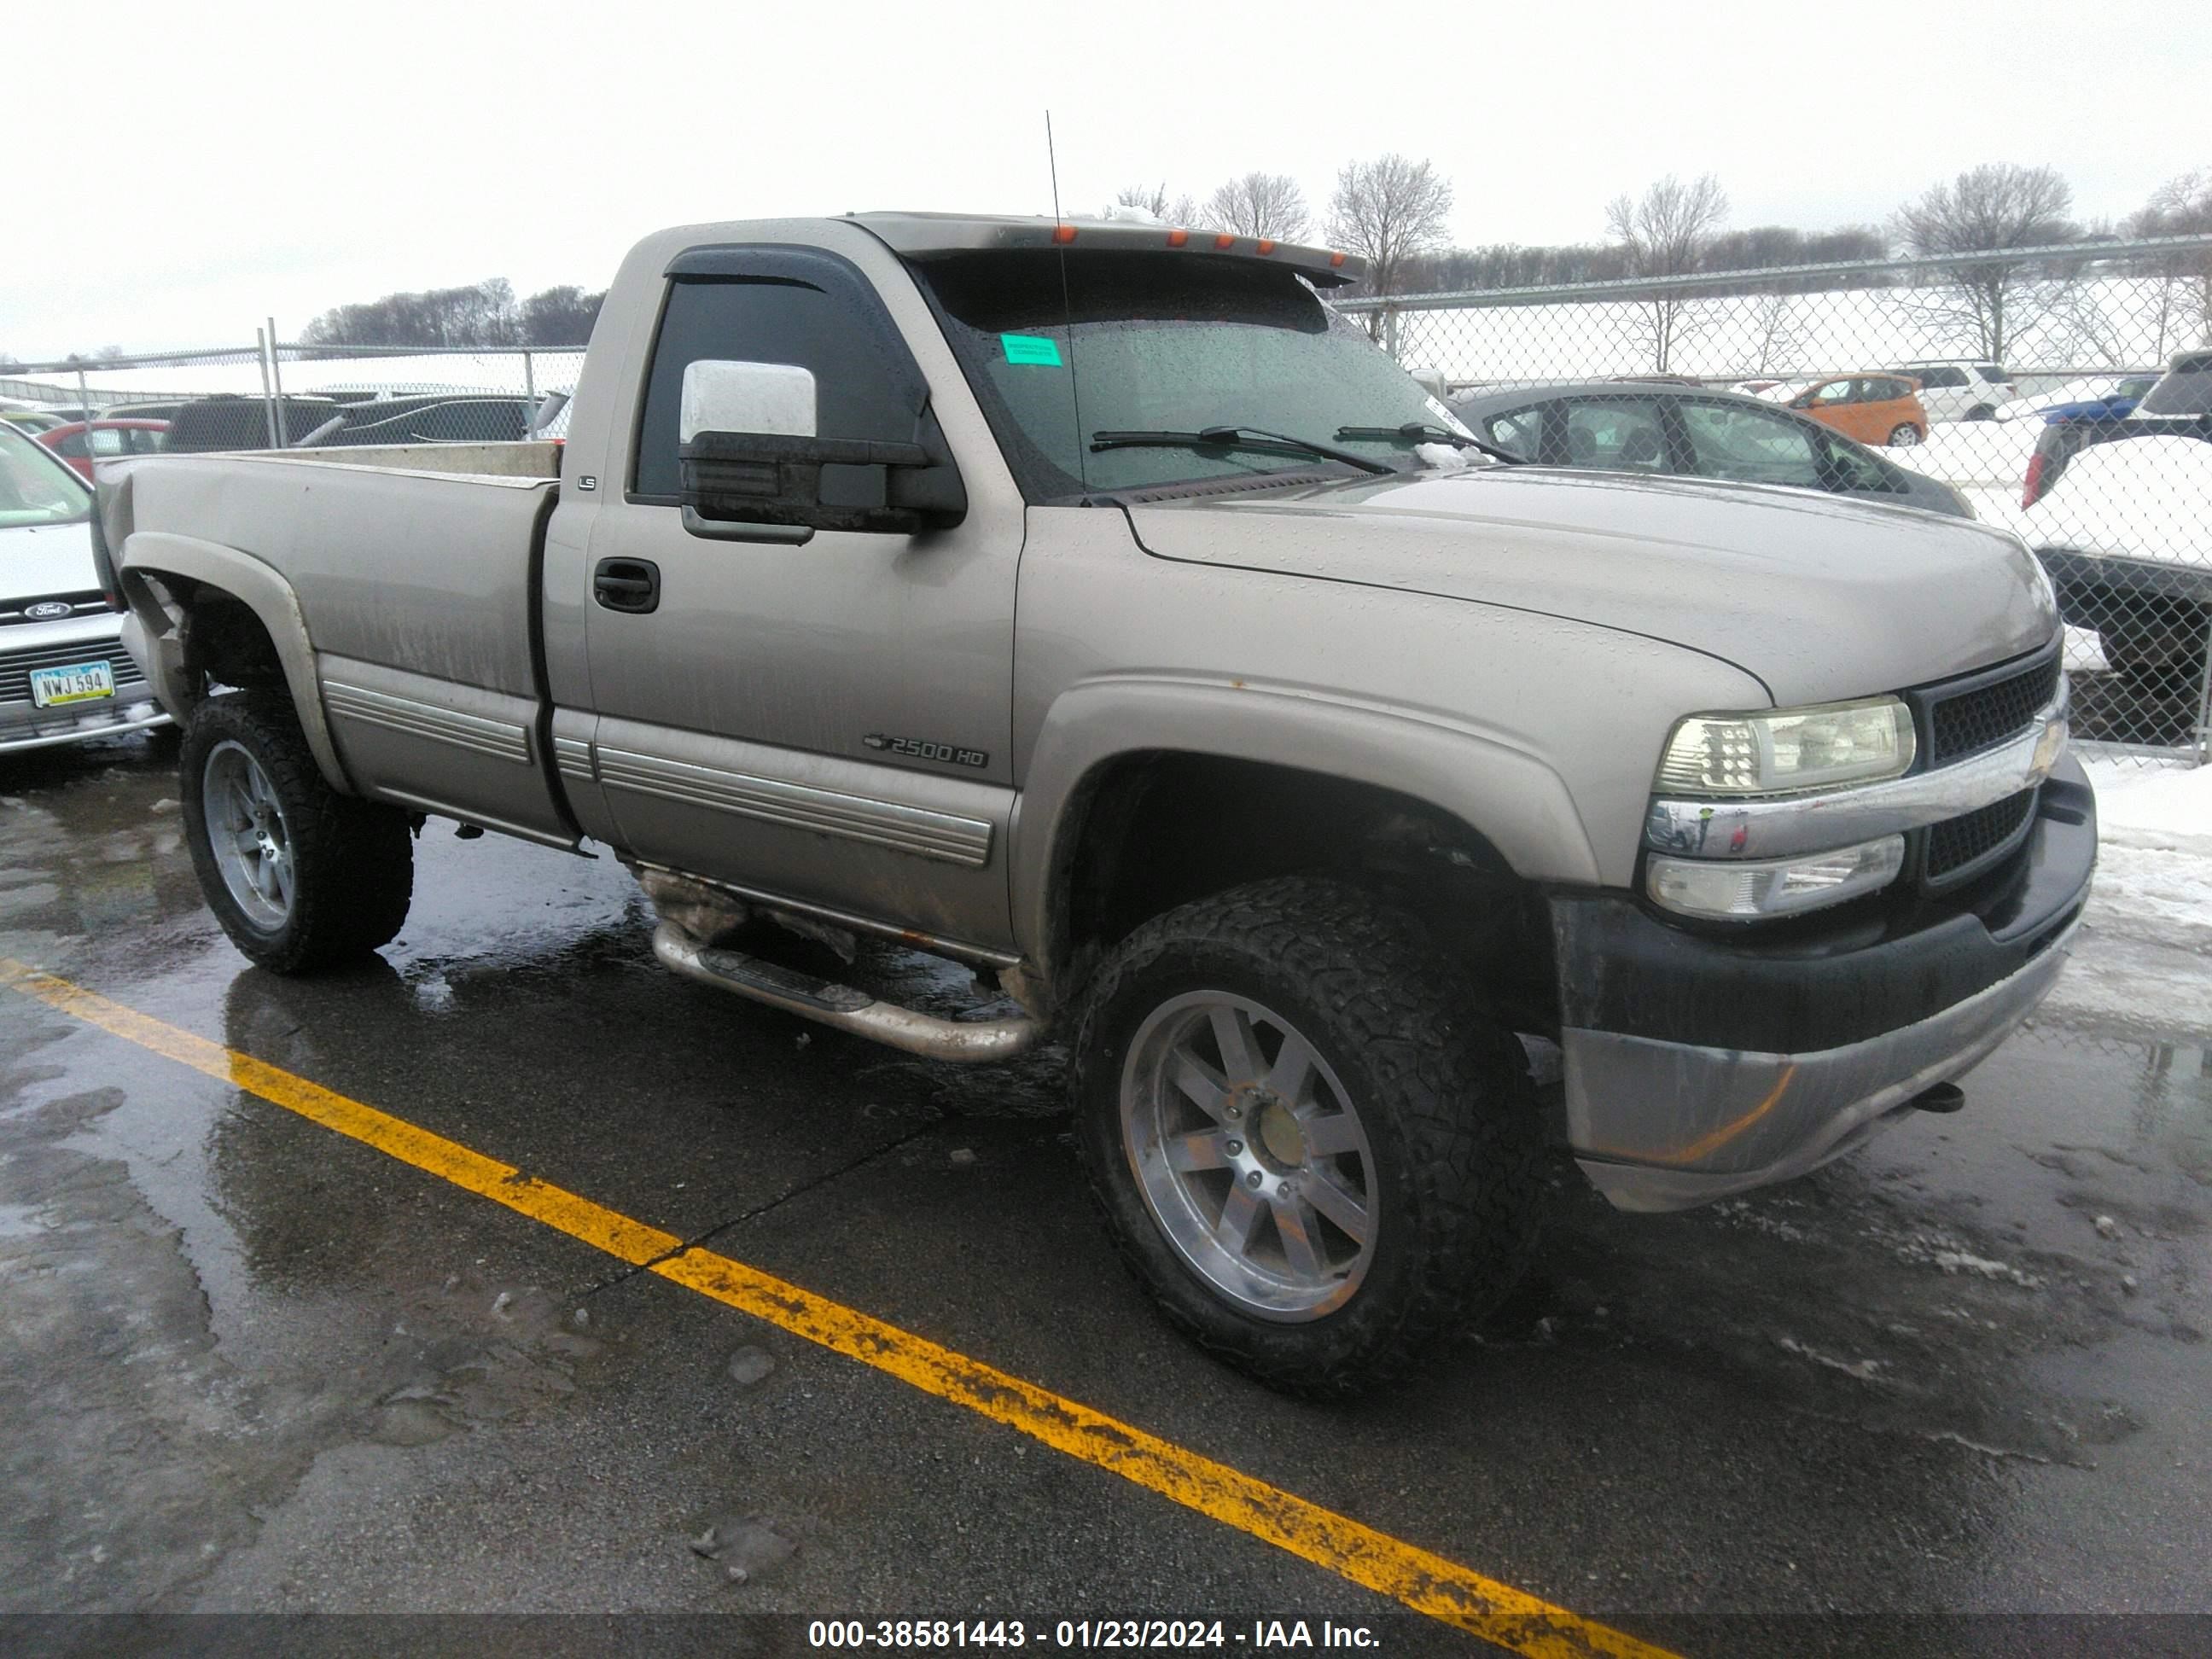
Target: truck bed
[(415, 572)]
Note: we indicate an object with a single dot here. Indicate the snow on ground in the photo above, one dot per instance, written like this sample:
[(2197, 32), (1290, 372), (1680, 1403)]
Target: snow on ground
[(1990, 452), (2084, 652), (2153, 804), (2143, 961)]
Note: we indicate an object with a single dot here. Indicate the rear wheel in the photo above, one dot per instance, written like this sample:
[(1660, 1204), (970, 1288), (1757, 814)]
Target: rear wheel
[(1982, 412), (1904, 435), (1311, 1147), (299, 876)]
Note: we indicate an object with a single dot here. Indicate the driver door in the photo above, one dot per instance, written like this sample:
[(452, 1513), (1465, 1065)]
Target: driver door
[(827, 720)]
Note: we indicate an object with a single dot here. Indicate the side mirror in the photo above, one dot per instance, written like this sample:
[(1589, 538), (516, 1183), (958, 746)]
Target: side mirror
[(752, 468)]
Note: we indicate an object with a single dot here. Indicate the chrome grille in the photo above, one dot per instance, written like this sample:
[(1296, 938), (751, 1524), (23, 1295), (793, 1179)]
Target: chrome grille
[(1965, 722)]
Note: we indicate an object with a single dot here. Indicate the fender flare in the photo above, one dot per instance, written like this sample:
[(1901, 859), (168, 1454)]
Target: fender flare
[(1503, 793), (151, 634)]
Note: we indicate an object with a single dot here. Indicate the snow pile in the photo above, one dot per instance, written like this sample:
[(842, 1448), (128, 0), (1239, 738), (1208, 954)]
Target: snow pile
[(2140, 805), (2143, 965), (1442, 458), (1993, 453)]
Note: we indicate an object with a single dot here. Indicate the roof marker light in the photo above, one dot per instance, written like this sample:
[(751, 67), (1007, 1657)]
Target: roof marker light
[(1063, 234), (1336, 261), (1225, 241), (1177, 238), (1266, 245)]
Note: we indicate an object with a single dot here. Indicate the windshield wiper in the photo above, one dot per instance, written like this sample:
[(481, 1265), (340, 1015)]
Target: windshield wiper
[(1236, 437), (1422, 432)]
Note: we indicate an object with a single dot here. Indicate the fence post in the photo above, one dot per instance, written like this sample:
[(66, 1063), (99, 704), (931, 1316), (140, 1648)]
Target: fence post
[(1390, 330), (85, 398), (2204, 710), (529, 385), (268, 406), (277, 377)]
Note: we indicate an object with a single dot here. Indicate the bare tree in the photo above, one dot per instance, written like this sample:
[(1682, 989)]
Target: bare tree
[(1154, 199), (1990, 209), (1665, 233), (1775, 325), (1260, 204), (2181, 207), (559, 316), (481, 315), (1388, 211)]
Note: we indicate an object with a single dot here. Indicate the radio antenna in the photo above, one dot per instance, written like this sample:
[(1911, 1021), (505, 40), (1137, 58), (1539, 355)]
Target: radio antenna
[(1067, 308)]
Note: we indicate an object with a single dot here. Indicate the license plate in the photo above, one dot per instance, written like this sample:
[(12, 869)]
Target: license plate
[(82, 682)]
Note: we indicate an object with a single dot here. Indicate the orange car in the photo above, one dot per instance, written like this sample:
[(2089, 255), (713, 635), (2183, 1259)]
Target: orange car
[(1874, 408)]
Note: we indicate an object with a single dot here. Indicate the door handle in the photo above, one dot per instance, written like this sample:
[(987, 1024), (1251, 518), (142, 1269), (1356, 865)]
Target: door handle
[(627, 584)]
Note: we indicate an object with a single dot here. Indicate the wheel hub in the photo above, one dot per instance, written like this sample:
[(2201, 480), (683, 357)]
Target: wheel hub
[(1281, 1141), (1250, 1155), (248, 836)]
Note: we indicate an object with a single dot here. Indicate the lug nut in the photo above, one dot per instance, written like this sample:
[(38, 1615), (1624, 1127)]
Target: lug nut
[(1234, 1110), (1236, 1147), (1254, 1179)]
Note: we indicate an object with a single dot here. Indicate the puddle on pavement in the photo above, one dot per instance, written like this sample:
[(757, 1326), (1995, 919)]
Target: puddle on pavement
[(1905, 1287)]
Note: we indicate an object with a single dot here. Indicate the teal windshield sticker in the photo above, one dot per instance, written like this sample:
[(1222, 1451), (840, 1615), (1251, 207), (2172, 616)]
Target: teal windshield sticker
[(1030, 349)]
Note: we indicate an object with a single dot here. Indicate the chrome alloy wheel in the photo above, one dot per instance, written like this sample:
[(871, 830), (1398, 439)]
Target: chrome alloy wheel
[(247, 833), (1250, 1155)]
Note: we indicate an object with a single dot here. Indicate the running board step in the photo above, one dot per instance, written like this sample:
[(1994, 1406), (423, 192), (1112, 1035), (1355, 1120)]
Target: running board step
[(844, 1006)]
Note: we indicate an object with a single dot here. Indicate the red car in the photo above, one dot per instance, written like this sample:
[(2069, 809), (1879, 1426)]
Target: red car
[(81, 443)]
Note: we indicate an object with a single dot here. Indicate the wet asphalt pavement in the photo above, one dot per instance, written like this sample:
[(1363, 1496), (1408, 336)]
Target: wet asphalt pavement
[(246, 1365)]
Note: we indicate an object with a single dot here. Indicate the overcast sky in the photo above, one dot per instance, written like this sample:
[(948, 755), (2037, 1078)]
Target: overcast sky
[(177, 172)]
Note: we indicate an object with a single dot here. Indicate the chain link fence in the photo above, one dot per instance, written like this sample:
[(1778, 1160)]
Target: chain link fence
[(293, 396), (2063, 393)]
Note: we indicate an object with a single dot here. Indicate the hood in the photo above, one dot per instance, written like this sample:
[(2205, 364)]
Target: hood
[(1820, 597), (38, 562)]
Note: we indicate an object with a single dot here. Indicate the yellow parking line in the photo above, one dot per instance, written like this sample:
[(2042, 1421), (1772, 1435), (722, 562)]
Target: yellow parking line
[(1422, 1581)]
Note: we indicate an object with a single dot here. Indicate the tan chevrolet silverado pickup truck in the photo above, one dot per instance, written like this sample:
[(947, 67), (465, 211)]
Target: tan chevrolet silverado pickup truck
[(1089, 605)]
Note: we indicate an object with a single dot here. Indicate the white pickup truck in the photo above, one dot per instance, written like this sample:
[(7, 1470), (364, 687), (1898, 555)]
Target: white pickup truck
[(1087, 605)]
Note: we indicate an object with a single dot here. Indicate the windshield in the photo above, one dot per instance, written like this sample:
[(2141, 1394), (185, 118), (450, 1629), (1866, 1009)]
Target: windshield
[(2181, 391), (1163, 343), (35, 488)]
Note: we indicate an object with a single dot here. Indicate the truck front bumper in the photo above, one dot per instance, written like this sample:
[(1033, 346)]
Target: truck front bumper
[(1698, 1064)]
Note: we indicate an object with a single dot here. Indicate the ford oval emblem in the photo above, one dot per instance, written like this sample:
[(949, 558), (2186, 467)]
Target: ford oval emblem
[(49, 610)]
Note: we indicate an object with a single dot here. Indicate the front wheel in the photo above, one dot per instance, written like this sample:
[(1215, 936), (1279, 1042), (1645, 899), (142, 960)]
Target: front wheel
[(1311, 1146), (1904, 436), (299, 876)]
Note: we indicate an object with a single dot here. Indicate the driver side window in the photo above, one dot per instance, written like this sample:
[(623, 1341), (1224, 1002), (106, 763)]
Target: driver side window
[(868, 387)]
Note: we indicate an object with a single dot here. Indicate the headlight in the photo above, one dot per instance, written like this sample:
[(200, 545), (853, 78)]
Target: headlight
[(1788, 749), (1748, 890)]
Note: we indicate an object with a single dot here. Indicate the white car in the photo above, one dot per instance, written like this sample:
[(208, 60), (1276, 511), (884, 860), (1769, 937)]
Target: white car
[(2115, 393), (63, 674), (2126, 534), (1960, 390)]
